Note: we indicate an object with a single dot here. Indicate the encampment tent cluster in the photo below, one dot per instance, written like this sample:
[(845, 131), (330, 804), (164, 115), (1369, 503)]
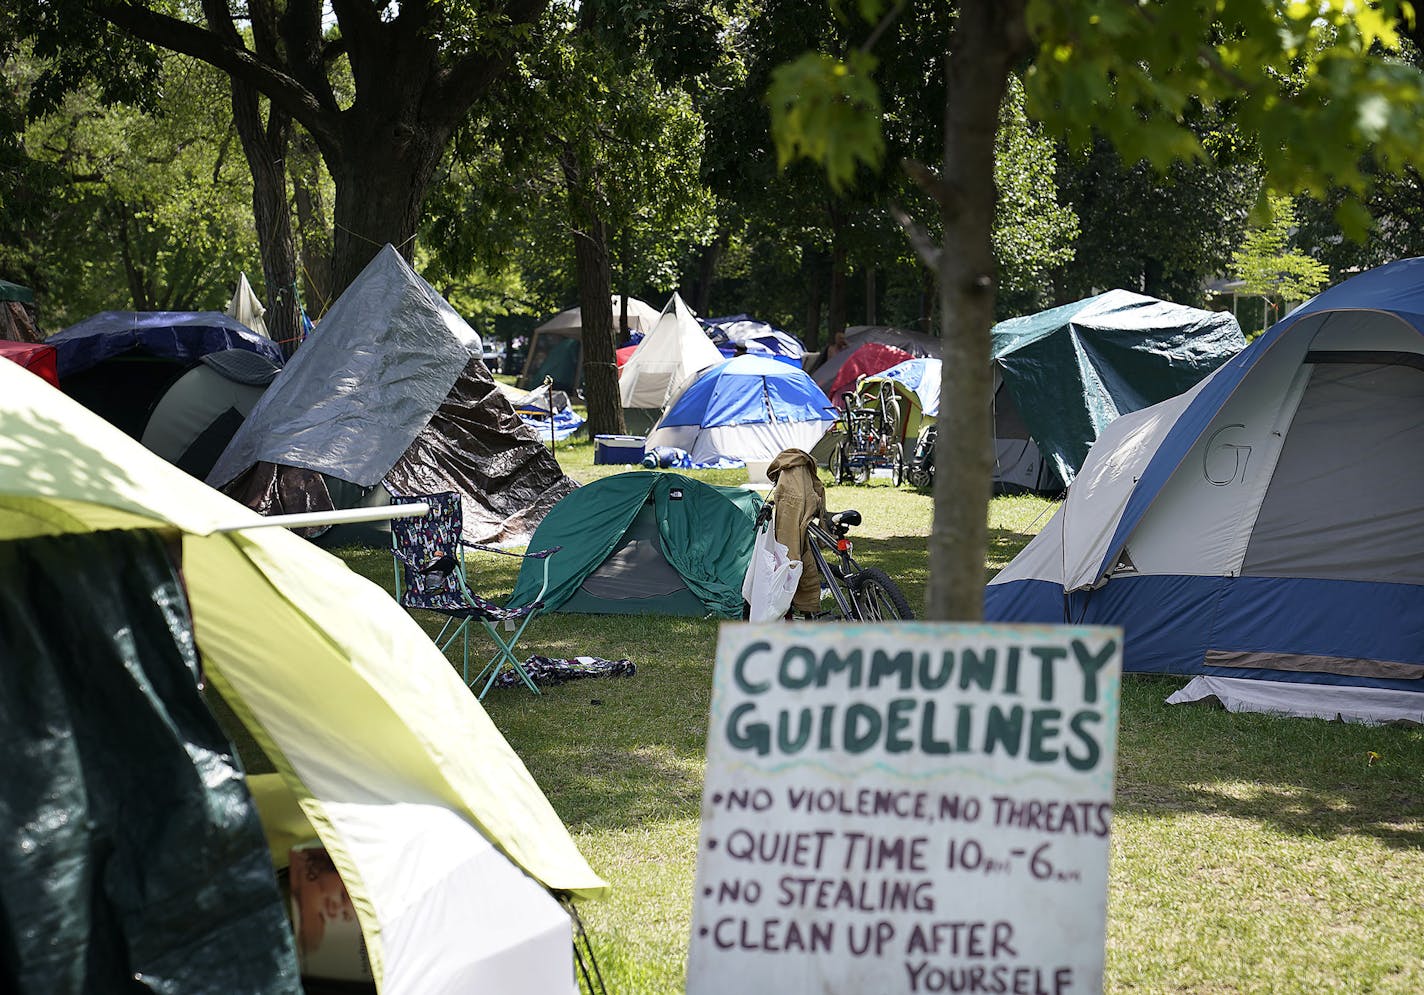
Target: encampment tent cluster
[(1262, 530)]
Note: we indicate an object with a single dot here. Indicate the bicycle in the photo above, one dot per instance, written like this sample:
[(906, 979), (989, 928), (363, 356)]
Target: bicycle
[(858, 594), (872, 437)]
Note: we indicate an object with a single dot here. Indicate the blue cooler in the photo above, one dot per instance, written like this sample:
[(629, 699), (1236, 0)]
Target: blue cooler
[(609, 449)]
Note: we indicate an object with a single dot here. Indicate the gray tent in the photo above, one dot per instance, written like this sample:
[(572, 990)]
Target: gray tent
[(389, 396), (200, 412)]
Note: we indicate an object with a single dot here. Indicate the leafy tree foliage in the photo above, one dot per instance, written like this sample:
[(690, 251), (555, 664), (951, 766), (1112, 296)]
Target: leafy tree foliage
[(1159, 232), (1269, 267), (1135, 73), (142, 210), (416, 68)]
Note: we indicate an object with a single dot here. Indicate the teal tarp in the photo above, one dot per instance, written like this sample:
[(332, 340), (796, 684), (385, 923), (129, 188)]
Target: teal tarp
[(133, 858), (14, 292), (1073, 369), (706, 534)]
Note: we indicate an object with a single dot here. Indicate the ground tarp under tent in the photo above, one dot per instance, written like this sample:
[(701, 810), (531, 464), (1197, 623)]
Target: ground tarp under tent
[(1264, 530), (119, 364), (391, 397), (747, 408), (646, 543), (1062, 375), (445, 844)]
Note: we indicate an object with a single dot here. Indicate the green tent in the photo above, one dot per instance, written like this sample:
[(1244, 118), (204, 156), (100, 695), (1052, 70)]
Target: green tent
[(645, 543), (1061, 376), (14, 292)]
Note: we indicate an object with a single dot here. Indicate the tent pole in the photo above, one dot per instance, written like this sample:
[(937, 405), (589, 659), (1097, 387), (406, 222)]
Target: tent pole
[(342, 516)]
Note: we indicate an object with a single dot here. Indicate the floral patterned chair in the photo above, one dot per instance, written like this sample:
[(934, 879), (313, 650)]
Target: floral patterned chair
[(430, 574)]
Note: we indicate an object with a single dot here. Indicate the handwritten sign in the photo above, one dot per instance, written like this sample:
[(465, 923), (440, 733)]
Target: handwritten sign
[(905, 809)]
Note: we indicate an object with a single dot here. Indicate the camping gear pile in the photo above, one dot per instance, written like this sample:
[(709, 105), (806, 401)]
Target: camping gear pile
[(887, 418), (753, 337), (1263, 530)]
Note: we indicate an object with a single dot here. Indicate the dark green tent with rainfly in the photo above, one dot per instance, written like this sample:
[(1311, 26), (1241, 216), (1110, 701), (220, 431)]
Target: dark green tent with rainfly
[(645, 543), (1062, 375)]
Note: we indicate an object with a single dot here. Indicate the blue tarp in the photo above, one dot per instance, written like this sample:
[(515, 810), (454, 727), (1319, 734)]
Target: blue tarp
[(757, 337), (186, 336)]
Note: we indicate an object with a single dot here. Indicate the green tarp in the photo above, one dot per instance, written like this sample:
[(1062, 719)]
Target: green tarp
[(14, 292), (133, 859), (1073, 369), (705, 532)]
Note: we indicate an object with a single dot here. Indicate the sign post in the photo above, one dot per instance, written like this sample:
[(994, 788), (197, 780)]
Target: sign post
[(905, 809)]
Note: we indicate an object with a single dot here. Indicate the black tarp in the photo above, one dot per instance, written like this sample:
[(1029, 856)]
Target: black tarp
[(132, 857)]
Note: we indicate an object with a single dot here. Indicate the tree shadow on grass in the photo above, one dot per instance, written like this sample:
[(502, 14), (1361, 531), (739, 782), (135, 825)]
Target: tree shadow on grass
[(1303, 777)]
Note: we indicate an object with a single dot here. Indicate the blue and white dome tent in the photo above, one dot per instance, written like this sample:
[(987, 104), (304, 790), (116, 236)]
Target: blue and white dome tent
[(746, 408), (1264, 530)]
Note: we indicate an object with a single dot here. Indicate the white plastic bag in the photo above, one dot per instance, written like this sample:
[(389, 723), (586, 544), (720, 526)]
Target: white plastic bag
[(771, 578)]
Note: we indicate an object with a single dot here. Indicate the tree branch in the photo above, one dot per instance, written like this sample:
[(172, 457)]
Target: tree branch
[(237, 61)]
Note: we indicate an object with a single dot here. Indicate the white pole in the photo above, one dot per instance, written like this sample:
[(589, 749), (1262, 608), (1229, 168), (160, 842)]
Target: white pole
[(341, 516)]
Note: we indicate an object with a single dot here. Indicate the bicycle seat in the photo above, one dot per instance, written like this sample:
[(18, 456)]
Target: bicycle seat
[(843, 521)]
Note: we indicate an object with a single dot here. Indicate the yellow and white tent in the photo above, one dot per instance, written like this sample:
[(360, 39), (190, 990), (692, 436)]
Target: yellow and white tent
[(395, 765)]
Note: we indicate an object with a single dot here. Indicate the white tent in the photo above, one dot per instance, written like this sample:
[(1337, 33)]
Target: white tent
[(445, 843), (674, 350), (246, 308), (1264, 530), (556, 346)]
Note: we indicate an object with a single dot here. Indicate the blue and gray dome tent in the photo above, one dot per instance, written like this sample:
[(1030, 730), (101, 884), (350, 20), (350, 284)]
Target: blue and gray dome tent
[(1265, 529), (179, 381), (746, 408)]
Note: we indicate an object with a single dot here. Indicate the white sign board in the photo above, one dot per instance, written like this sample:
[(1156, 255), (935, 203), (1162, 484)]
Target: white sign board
[(905, 809)]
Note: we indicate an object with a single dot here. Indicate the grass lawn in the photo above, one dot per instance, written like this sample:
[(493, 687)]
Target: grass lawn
[(1249, 854)]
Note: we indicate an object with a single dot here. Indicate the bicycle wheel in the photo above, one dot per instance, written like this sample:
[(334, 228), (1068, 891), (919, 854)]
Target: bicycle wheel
[(840, 463), (878, 598), (897, 464)]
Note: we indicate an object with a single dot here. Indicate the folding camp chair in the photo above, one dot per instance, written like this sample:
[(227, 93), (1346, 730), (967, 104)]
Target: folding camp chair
[(431, 574)]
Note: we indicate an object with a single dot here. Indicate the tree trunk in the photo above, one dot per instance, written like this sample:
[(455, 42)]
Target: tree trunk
[(590, 234), (266, 151), (987, 37), (706, 271), (836, 306), (928, 296), (380, 193), (811, 268), (313, 228)]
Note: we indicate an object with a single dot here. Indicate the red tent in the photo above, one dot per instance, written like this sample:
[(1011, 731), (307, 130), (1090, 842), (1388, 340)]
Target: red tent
[(36, 357), (625, 354), (866, 360)]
